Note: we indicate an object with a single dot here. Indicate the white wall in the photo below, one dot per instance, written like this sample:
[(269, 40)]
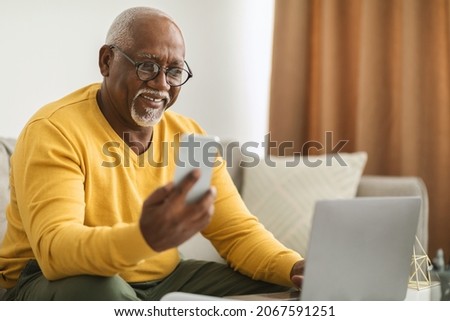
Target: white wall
[(50, 48)]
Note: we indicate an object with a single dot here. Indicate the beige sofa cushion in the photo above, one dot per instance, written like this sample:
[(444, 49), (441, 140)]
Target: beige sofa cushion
[(283, 196), (377, 185)]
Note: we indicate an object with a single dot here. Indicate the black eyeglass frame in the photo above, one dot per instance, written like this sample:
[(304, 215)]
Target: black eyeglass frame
[(138, 64)]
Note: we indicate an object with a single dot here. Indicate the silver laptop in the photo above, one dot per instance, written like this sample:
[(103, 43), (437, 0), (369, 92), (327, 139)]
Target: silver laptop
[(359, 249)]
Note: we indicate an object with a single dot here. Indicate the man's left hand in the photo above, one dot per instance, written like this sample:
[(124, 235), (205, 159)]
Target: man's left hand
[(297, 273)]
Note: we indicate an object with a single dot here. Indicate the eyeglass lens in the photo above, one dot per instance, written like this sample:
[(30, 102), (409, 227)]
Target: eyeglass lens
[(150, 70)]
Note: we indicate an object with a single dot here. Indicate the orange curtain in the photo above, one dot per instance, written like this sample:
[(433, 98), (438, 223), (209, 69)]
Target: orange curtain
[(375, 73)]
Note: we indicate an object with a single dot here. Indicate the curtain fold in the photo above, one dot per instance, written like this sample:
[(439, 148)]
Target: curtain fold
[(374, 73)]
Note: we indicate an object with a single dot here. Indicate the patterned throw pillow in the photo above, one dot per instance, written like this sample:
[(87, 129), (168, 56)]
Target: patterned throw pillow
[(282, 191)]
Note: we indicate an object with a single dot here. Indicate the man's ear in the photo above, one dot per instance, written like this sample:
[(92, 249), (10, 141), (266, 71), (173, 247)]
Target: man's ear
[(104, 58)]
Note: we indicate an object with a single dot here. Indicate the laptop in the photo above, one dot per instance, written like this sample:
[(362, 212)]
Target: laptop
[(359, 249)]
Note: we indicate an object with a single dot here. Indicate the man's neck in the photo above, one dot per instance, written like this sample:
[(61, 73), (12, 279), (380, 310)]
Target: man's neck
[(138, 142)]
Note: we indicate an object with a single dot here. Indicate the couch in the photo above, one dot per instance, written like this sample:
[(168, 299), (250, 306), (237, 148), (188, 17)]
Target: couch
[(198, 247)]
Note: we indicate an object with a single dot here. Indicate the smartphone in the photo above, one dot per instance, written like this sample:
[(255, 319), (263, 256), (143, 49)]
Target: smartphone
[(196, 151)]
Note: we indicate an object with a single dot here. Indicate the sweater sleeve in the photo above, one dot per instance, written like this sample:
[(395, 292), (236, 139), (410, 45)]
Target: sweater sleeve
[(242, 240), (50, 192)]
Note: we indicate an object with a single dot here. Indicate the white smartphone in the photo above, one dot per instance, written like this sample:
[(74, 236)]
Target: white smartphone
[(196, 151)]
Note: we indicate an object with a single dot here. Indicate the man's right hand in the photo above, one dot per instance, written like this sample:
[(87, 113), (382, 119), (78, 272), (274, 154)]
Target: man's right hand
[(167, 220)]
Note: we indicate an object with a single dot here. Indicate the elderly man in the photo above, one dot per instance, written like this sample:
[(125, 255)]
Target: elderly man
[(79, 230)]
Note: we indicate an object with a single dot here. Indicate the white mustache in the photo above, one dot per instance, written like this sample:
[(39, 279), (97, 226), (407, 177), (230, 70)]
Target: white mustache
[(158, 94)]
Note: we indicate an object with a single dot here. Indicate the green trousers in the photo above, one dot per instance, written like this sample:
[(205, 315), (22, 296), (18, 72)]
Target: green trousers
[(192, 276)]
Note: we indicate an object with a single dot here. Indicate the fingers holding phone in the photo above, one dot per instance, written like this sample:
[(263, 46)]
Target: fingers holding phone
[(167, 220)]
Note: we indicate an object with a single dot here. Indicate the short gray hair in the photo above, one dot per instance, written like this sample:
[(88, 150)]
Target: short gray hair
[(120, 31)]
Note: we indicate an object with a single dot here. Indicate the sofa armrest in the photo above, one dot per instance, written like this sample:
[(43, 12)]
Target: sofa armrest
[(372, 185), (6, 149)]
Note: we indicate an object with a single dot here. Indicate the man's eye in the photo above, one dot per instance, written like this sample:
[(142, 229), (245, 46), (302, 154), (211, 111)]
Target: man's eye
[(149, 67), (175, 72)]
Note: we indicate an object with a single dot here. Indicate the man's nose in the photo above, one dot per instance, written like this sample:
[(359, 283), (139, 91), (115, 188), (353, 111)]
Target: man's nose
[(159, 82)]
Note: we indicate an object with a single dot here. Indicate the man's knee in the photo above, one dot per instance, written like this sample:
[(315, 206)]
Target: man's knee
[(94, 288)]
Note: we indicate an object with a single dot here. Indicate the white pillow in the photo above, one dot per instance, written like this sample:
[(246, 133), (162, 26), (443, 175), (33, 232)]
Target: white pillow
[(283, 195)]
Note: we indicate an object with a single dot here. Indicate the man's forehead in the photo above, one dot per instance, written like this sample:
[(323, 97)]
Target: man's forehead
[(160, 27), (147, 55)]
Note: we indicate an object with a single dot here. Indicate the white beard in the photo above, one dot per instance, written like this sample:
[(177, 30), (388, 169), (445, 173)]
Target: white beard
[(151, 116)]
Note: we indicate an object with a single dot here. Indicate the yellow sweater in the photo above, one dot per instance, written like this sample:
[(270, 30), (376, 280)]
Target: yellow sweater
[(77, 193)]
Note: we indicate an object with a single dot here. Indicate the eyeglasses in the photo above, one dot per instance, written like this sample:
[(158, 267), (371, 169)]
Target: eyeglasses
[(149, 70)]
